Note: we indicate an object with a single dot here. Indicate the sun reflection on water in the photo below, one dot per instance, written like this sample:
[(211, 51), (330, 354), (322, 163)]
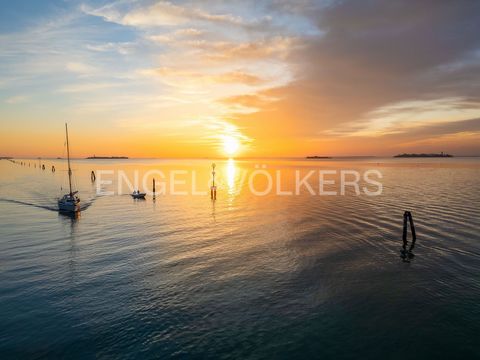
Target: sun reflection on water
[(231, 171)]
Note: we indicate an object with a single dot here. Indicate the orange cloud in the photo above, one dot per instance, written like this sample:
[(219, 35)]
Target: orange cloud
[(174, 77)]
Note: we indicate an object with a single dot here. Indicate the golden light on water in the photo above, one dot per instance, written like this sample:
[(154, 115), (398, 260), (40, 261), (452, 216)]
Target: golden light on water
[(231, 175)]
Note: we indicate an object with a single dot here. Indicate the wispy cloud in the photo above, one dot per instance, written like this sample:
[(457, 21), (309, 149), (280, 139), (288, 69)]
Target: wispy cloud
[(162, 13), (179, 77), (276, 47), (18, 99), (86, 87), (403, 116), (80, 68), (123, 48)]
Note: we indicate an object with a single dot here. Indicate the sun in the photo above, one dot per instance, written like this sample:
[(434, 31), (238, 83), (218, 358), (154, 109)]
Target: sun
[(230, 145)]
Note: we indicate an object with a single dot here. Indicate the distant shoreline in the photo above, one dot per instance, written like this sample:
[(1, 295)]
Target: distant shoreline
[(379, 157), (107, 157), (318, 157), (441, 155)]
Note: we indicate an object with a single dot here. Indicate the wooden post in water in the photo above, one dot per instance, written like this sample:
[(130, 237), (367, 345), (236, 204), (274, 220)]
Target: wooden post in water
[(404, 236), (407, 218), (153, 188), (213, 188), (412, 229), (92, 176)]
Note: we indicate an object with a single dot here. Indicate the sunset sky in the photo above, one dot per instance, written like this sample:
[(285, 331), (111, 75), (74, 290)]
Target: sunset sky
[(250, 78)]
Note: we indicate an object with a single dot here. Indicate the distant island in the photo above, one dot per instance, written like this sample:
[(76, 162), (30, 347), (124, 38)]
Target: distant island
[(318, 157), (5, 158), (106, 157), (441, 155)]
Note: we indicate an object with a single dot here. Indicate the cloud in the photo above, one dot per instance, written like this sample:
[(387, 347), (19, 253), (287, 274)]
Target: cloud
[(175, 36), (80, 68), (180, 77), (123, 48), (189, 32), (396, 118), (19, 99), (459, 137), (293, 75), (159, 14), (162, 13), (240, 77), (442, 129), (249, 103), (366, 58), (277, 47), (86, 87)]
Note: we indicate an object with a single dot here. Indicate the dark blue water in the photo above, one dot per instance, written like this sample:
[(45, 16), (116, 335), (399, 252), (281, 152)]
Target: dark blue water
[(244, 277)]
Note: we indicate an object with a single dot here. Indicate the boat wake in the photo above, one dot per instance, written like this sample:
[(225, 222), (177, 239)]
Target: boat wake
[(46, 207), (84, 205)]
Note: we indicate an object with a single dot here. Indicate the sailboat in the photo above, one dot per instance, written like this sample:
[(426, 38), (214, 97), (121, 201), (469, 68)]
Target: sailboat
[(69, 202)]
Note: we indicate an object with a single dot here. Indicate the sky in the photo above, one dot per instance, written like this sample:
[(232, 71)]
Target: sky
[(239, 78)]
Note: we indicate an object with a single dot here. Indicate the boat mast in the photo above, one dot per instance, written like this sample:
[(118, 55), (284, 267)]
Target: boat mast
[(68, 160)]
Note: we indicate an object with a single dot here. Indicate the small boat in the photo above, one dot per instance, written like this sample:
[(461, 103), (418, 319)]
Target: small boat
[(69, 203), (138, 195)]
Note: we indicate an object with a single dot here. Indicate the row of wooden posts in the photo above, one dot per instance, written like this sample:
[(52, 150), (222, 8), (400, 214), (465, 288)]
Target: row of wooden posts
[(40, 165), (93, 177)]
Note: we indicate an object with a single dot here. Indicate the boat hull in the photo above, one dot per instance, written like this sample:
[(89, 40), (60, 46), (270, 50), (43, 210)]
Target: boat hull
[(70, 204), (68, 207), (138, 196)]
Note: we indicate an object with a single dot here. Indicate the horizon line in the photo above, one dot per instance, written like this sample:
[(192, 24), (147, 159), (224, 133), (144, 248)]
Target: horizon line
[(326, 157)]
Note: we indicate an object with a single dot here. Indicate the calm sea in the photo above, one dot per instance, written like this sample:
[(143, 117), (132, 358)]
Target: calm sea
[(244, 276)]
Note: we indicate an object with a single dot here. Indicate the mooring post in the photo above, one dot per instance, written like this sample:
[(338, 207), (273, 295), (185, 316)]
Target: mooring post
[(404, 237), (92, 176), (407, 217), (213, 189), (412, 228), (154, 188)]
